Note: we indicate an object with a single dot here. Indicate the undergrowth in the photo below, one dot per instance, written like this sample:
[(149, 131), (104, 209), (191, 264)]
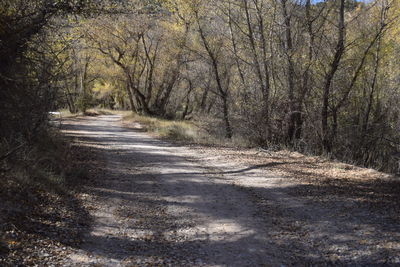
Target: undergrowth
[(163, 128), (198, 131), (37, 203), (65, 113), (173, 130)]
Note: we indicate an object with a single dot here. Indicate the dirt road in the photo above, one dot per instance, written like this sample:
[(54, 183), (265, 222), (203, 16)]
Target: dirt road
[(156, 203)]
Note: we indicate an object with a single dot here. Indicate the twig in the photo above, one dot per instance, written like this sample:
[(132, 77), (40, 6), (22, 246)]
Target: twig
[(9, 153), (262, 150)]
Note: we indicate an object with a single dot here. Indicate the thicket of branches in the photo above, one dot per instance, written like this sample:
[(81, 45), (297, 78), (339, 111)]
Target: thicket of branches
[(32, 66), (315, 77)]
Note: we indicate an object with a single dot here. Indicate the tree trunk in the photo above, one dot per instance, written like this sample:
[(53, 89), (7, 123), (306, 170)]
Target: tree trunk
[(293, 113), (221, 92), (326, 136), (130, 97), (228, 128), (264, 80)]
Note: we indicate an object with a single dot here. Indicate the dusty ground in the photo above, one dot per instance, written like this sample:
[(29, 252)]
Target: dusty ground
[(156, 203)]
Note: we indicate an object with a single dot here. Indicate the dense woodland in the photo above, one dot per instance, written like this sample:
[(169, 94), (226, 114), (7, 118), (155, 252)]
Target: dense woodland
[(320, 78)]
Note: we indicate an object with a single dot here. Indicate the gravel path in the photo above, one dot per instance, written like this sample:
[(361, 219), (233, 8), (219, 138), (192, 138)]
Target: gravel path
[(154, 203)]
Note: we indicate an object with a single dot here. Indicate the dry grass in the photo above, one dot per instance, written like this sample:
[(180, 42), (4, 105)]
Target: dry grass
[(65, 113), (167, 129), (183, 132)]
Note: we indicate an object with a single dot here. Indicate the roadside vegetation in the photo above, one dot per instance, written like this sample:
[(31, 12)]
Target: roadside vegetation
[(180, 131), (41, 212), (292, 164)]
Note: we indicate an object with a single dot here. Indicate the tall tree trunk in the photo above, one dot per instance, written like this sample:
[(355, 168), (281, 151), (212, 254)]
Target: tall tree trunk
[(306, 86), (204, 96), (130, 96), (364, 128), (221, 92), (228, 126), (264, 81), (293, 112), (236, 54), (372, 92), (339, 50)]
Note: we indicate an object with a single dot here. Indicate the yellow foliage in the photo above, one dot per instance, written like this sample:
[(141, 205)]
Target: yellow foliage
[(103, 88), (394, 16)]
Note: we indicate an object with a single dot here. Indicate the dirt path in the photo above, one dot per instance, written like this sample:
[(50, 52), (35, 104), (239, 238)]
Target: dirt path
[(156, 203)]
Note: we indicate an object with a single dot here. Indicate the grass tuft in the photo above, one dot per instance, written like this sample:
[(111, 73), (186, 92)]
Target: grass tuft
[(187, 132), (173, 130)]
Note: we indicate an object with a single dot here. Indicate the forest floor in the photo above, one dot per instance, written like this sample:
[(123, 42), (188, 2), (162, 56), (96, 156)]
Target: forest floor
[(150, 202)]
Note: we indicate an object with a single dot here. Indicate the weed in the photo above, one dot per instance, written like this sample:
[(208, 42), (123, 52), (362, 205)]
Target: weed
[(184, 131), (173, 130)]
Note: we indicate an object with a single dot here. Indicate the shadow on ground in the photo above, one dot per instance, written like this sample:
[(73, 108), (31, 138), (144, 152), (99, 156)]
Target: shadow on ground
[(41, 215)]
